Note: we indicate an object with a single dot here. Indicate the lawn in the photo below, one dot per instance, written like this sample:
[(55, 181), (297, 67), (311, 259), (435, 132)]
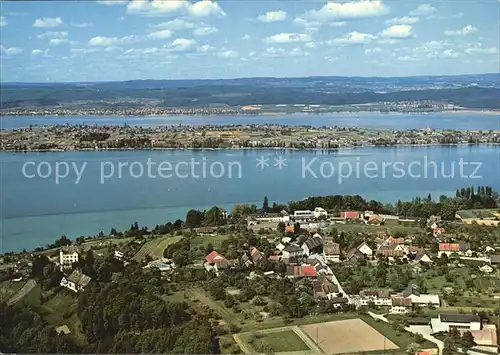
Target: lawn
[(476, 213), (215, 240), (286, 340), (392, 226), (61, 310), (401, 339), (9, 288)]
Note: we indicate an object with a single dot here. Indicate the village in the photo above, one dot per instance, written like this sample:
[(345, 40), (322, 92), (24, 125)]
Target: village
[(88, 137), (433, 281)]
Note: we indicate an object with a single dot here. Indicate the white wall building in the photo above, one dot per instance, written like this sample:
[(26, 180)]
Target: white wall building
[(320, 212), (68, 256), (446, 321)]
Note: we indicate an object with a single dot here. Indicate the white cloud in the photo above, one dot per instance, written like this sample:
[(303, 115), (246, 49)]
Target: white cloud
[(464, 31), (298, 52), (288, 38), (10, 51), (162, 34), (477, 48), (83, 24), (272, 16), (309, 26), (338, 24), (397, 32), (228, 54), (246, 37), (311, 45), (112, 2), (348, 10), (206, 48), (3, 21), (58, 41), (183, 44), (36, 52), (101, 41), (405, 20), (272, 51), (446, 17), (47, 22), (152, 8), (205, 31), (52, 35), (423, 10), (176, 24), (371, 51), (353, 38), (205, 8)]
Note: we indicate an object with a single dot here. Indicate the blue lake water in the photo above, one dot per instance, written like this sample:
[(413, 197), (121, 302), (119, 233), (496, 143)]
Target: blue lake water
[(464, 121), (100, 195)]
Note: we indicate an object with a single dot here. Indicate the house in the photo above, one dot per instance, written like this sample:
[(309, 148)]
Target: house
[(412, 292), (118, 255), (301, 271), (378, 297), (354, 256), (251, 256), (312, 245), (495, 260), (290, 228), (486, 269), (331, 252), (446, 321), (349, 215), (75, 282), (400, 305), (458, 248), (320, 212), (280, 247), (397, 241), (409, 219), (303, 214), (215, 259), (339, 301), (422, 257), (68, 255), (365, 249), (323, 288), (391, 251), (375, 219), (292, 251)]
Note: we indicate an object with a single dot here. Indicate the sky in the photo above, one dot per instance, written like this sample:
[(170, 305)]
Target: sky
[(77, 41)]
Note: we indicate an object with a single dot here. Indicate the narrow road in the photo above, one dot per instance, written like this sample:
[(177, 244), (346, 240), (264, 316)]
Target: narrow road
[(28, 286)]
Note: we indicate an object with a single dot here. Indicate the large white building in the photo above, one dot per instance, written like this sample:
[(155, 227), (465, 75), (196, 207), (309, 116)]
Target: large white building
[(68, 255), (446, 321)]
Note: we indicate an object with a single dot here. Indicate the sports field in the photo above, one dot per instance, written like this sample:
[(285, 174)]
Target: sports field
[(347, 336)]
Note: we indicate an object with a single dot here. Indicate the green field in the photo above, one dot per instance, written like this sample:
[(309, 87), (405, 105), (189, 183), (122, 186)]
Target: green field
[(154, 248), (392, 226), (476, 213), (284, 341), (215, 240), (9, 289)]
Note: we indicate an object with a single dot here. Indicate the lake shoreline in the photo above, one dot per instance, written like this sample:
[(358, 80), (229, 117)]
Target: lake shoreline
[(251, 148)]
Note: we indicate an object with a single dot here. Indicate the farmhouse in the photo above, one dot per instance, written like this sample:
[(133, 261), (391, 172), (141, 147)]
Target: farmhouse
[(391, 251), (486, 269), (400, 305), (251, 256), (301, 271), (215, 261), (378, 297), (68, 255), (320, 212), (75, 282), (420, 299), (446, 321), (324, 288), (422, 257), (292, 251), (451, 248), (312, 245), (331, 252)]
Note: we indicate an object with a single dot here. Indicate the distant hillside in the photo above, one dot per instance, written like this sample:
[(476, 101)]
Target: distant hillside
[(473, 91)]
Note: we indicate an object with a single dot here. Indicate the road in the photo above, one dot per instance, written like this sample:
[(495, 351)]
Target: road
[(28, 286)]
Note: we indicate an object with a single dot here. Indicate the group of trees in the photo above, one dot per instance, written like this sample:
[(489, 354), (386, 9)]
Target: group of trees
[(212, 217)]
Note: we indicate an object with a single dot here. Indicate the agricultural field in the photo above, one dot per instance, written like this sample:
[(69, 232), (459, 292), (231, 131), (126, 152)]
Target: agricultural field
[(154, 248), (9, 289), (347, 336), (478, 213), (393, 227), (278, 340)]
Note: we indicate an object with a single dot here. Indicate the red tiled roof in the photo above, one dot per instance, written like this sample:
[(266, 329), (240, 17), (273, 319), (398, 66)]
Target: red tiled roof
[(449, 247), (290, 228), (305, 270), (349, 214), (214, 257)]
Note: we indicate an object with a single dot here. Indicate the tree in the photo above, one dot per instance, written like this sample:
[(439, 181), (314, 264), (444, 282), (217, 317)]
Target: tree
[(449, 346), (281, 227), (413, 348), (265, 204), (467, 341), (194, 218)]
